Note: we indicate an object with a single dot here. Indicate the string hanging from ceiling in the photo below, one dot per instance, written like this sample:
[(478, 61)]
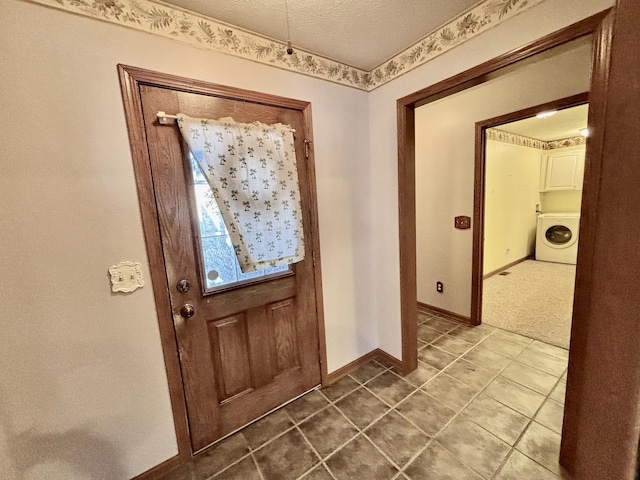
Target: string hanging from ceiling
[(289, 46)]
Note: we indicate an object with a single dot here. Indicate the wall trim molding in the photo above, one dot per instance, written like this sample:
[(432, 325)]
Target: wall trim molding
[(351, 367), (507, 266), (441, 311), (162, 19), (523, 141)]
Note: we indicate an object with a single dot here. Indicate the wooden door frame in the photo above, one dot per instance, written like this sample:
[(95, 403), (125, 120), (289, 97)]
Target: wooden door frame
[(601, 27), (596, 25), (477, 265), (131, 79)]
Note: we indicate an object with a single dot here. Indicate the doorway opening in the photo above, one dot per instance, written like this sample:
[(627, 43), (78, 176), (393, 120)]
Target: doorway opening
[(599, 27), (529, 176)]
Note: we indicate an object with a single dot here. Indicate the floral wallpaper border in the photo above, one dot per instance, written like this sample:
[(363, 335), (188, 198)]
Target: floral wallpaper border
[(521, 140), (567, 142), (153, 16)]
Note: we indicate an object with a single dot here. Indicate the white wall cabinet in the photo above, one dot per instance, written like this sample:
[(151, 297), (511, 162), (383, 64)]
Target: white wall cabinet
[(562, 170)]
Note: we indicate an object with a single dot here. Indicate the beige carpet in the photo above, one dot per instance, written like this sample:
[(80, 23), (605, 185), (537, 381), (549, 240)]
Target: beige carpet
[(535, 300)]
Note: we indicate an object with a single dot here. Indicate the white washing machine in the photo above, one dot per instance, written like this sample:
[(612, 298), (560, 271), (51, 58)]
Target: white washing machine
[(557, 237)]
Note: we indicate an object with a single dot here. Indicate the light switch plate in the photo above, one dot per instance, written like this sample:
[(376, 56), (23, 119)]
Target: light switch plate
[(126, 277)]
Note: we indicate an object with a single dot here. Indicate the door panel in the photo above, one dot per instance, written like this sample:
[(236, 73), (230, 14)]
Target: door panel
[(245, 350), (230, 348)]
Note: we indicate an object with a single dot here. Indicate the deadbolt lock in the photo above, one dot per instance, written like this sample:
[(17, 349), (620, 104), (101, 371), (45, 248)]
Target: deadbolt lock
[(183, 286)]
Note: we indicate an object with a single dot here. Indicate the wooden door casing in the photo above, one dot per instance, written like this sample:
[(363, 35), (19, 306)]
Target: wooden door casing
[(250, 349)]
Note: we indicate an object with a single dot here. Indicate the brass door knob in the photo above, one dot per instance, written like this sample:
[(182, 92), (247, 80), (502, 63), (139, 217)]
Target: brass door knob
[(187, 310)]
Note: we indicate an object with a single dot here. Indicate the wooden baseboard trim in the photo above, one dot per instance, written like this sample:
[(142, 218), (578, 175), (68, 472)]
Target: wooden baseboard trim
[(506, 267), (390, 359), (455, 316), (333, 377), (162, 469)]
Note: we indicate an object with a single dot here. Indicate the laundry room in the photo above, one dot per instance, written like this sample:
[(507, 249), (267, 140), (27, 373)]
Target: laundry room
[(532, 197)]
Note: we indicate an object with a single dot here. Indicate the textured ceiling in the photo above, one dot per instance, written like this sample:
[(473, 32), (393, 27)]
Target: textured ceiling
[(564, 124), (361, 33)]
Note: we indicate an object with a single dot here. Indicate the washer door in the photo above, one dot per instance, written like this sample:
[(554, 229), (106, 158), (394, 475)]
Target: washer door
[(559, 236)]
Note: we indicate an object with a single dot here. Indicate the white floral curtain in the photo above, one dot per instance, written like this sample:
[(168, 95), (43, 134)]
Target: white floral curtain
[(251, 169)]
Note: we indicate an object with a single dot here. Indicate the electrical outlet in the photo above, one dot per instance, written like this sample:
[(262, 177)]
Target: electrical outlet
[(439, 287)]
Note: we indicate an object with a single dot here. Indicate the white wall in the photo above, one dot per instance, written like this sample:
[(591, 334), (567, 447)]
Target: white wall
[(531, 25), (512, 190), (561, 201), (83, 391)]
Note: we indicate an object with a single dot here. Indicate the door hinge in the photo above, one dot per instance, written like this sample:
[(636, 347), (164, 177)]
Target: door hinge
[(307, 143), (313, 257)]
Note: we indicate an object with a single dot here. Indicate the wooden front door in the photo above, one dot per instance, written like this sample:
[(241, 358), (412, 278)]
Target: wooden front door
[(247, 343)]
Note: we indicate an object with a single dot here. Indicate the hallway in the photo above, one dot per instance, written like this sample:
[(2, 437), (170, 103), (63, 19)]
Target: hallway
[(483, 404)]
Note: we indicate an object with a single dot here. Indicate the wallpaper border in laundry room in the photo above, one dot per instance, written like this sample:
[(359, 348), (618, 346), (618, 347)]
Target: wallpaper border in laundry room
[(158, 18), (523, 141)]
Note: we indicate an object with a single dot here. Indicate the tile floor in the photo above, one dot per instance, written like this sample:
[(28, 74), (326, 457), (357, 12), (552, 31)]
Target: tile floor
[(483, 404)]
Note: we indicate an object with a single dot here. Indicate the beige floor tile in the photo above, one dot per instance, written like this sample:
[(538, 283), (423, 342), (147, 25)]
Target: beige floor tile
[(396, 437), (474, 446), (559, 352), (306, 406), (341, 388), (441, 324), (318, 473), (542, 445), (245, 469), (560, 391), (435, 357), (530, 377), (435, 463), (506, 343), (421, 375), (286, 458), (472, 334), (220, 456), (327, 430), (551, 415), (390, 387), (521, 399), (453, 345), (426, 412), (265, 429), (470, 374), (362, 407), (427, 334), (521, 467), (542, 361), (502, 421), (360, 459), (367, 372), (513, 337), (449, 391), (487, 359), (423, 316)]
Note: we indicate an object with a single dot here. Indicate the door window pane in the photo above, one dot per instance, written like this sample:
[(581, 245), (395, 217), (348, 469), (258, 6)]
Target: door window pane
[(220, 265)]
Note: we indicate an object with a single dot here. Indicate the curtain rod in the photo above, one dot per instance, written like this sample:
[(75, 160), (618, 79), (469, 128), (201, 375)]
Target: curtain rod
[(164, 118)]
